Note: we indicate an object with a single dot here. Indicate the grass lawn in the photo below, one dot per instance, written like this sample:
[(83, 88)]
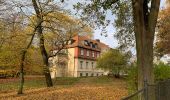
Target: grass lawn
[(85, 88)]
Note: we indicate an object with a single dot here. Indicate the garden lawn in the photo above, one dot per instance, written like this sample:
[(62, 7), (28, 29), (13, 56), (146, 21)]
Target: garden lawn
[(90, 88)]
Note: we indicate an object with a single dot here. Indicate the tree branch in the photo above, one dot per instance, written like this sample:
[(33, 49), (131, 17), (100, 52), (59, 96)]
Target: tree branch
[(153, 15)]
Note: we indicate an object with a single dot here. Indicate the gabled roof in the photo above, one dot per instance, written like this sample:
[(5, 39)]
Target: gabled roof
[(79, 41)]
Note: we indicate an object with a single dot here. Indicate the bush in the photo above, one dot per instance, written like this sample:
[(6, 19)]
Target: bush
[(162, 71), (132, 78)]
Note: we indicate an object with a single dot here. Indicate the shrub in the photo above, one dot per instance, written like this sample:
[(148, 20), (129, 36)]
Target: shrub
[(132, 78), (161, 71)]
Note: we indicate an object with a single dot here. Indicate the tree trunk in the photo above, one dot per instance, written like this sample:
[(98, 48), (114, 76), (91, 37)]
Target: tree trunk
[(45, 58), (144, 28), (20, 90), (42, 47)]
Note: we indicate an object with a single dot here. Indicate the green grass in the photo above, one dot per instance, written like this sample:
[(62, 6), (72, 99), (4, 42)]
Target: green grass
[(28, 84), (8, 86), (65, 80), (37, 83), (59, 82), (102, 80), (87, 80)]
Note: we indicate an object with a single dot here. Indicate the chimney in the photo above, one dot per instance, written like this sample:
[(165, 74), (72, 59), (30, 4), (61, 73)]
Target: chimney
[(97, 40)]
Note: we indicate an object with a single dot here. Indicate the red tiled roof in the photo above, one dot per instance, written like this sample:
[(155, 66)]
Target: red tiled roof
[(79, 41)]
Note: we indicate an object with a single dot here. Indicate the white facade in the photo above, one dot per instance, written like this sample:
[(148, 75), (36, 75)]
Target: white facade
[(75, 67), (166, 59), (88, 68), (81, 59)]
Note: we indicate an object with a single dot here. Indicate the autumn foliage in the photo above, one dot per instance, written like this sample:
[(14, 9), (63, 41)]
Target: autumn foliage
[(163, 36)]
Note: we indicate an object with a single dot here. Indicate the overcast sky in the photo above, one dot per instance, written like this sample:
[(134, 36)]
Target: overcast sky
[(109, 40)]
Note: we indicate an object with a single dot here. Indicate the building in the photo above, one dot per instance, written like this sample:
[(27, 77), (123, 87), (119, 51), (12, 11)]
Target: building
[(81, 55), (166, 59)]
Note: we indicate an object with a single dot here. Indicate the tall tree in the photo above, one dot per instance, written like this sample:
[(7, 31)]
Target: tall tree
[(144, 19), (39, 21), (23, 56), (15, 35)]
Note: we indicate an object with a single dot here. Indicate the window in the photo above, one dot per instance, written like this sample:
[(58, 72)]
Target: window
[(96, 46), (88, 53), (86, 74), (81, 74), (92, 65), (81, 51), (87, 64), (65, 42), (86, 42), (70, 41), (81, 64), (91, 44), (92, 53)]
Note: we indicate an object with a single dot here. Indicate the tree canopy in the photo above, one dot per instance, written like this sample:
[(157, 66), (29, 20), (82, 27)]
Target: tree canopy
[(112, 60), (95, 13), (163, 35)]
